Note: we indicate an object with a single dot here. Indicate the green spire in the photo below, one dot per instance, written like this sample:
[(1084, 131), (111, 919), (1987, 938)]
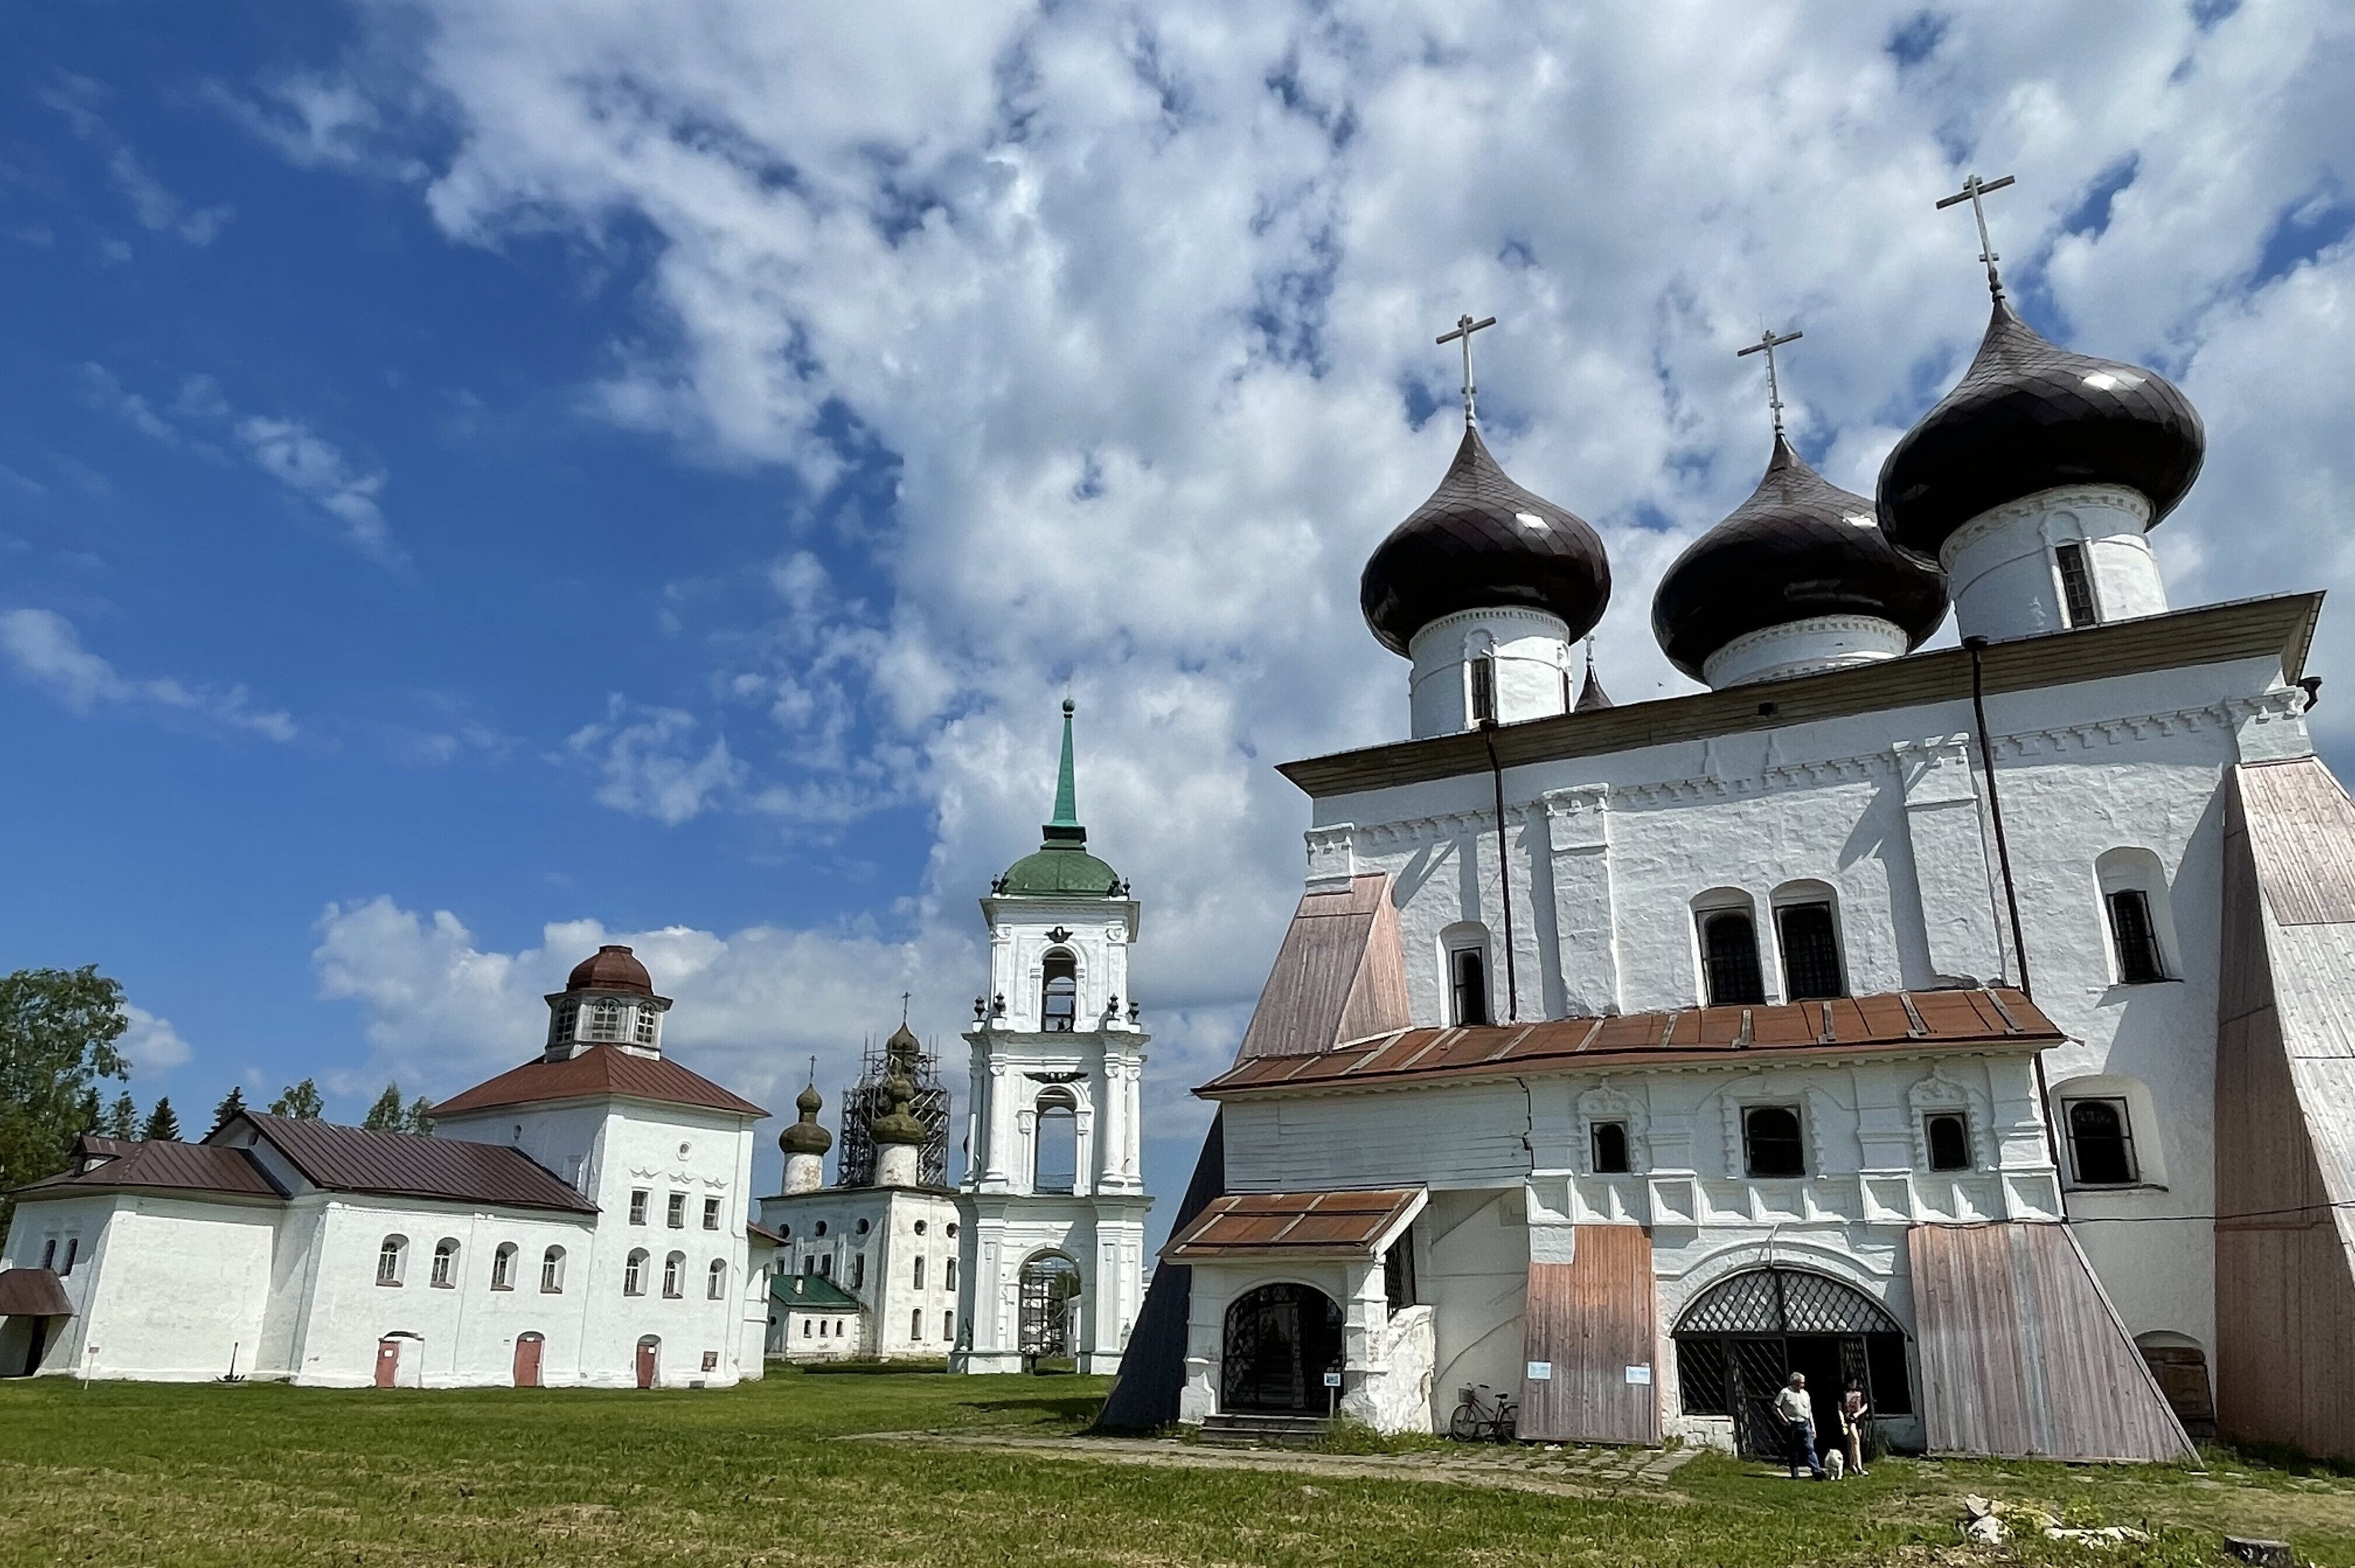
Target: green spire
[(1067, 803)]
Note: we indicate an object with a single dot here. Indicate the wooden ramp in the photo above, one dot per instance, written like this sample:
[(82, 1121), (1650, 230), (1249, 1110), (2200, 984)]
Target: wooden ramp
[(1589, 1323), (2022, 1355)]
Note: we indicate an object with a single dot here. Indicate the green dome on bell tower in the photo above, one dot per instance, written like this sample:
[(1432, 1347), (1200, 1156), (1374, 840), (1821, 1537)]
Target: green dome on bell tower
[(1061, 866)]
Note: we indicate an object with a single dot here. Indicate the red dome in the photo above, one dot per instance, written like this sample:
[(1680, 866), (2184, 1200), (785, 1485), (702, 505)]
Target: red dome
[(610, 968)]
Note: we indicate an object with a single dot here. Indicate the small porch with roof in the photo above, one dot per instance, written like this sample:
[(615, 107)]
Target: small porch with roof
[(33, 1305)]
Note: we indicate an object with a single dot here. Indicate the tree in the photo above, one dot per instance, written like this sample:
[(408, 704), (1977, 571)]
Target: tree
[(121, 1119), (300, 1101), (384, 1116), (420, 1118), (162, 1124), (57, 1029), (232, 1105)]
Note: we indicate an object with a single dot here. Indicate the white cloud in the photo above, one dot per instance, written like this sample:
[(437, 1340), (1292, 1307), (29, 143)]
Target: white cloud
[(650, 765), (312, 121), (316, 470), (49, 654), (150, 1044)]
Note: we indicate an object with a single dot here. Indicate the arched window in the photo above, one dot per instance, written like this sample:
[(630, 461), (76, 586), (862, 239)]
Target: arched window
[(2101, 1142), (392, 1260), (1058, 997), (674, 1267), (605, 1020), (916, 1324), (1610, 1149), (950, 1280), (445, 1263), (918, 1281), (1728, 947), (503, 1262), (1465, 950), (1948, 1134), (552, 1271), (826, 1265), (1771, 1144), (1482, 669), (2141, 925), (1056, 1168), (806, 1327), (716, 1289), (1806, 926), (633, 1273), (948, 1325)]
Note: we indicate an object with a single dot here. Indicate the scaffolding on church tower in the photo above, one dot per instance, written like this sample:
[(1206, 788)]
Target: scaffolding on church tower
[(864, 1100)]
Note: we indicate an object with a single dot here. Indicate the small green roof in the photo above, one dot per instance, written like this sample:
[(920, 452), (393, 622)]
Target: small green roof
[(1061, 866), (811, 1291)]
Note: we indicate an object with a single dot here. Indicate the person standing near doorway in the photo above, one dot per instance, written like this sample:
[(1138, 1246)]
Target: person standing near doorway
[(1855, 1410), (1798, 1414)]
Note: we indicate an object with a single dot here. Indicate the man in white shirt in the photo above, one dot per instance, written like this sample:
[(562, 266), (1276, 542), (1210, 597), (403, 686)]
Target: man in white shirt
[(1796, 1412)]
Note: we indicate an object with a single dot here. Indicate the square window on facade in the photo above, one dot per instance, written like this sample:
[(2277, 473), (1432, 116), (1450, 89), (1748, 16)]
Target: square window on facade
[(677, 1214), (712, 1213), (1948, 1134), (1771, 1143), (2101, 1143), (1610, 1144)]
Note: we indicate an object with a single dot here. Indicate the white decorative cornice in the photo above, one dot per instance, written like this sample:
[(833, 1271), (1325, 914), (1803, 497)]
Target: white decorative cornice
[(1996, 519)]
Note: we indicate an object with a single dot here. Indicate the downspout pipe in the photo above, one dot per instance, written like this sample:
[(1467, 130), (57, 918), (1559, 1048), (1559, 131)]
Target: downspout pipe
[(1503, 871)]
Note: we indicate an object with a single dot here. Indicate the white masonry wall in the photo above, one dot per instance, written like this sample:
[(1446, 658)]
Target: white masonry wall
[(869, 1239)]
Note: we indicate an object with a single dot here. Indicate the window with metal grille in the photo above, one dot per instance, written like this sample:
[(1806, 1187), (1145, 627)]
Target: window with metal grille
[(1811, 965), (1701, 1376), (1729, 945), (2101, 1142), (1770, 1141), (1060, 997), (2077, 585), (1610, 1141), (1948, 1134), (2137, 937), (1484, 690), (1467, 972)]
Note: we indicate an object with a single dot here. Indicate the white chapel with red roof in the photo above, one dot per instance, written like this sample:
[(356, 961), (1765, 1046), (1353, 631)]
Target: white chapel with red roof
[(583, 1219)]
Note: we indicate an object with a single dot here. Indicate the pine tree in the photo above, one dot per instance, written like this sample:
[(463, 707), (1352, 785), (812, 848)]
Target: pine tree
[(122, 1118), (384, 1116), (163, 1125), (232, 1103), (300, 1102), (420, 1118)]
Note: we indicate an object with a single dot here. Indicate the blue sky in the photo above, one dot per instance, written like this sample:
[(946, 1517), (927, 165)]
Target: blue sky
[(480, 479)]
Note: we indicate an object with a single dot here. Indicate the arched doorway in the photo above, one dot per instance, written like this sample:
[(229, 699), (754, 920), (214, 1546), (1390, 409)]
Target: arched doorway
[(1746, 1335), (1049, 1330), (390, 1352), (649, 1360), (526, 1361), (1279, 1341)]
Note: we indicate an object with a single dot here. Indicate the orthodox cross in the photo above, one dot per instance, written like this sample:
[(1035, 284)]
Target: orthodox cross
[(1767, 343), (1973, 189), (903, 1007), (1465, 327)]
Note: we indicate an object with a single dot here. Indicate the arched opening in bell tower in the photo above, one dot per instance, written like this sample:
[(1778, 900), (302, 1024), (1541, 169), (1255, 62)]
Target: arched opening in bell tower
[(1059, 993)]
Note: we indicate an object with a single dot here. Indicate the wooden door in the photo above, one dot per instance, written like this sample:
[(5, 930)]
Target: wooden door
[(647, 1349), (526, 1361), (388, 1363), (1590, 1335)]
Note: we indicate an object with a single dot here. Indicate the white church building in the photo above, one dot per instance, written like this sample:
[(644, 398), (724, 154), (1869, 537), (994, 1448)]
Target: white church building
[(583, 1219), (1966, 1024)]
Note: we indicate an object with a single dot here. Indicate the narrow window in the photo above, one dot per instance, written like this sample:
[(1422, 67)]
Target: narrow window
[(503, 1267), (712, 1213), (1729, 946), (858, 1271), (673, 1267), (73, 1249), (916, 1324), (50, 1252), (638, 1206), (919, 1274), (2137, 938), (948, 1325), (2077, 585), (646, 1028), (676, 1215), (446, 1263), (1811, 965), (1610, 1149), (809, 1265), (559, 1024), (634, 1273), (1948, 1134), (388, 1260), (1484, 690), (2101, 1141), (950, 1280), (552, 1271), (826, 1266), (806, 1327), (716, 1289), (1468, 975), (1398, 1274), (1058, 999), (1770, 1141)]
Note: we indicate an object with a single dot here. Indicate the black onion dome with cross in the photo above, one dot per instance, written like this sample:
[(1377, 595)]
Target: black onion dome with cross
[(1481, 543), (2029, 416), (1800, 547)]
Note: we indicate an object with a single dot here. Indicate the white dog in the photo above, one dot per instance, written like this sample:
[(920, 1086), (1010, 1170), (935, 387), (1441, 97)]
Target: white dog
[(1834, 1465)]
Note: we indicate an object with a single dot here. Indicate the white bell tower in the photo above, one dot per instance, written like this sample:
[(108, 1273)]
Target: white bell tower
[(1053, 1198)]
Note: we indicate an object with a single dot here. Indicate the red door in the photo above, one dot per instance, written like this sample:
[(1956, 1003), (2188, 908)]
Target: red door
[(388, 1363), (646, 1348), (526, 1361)]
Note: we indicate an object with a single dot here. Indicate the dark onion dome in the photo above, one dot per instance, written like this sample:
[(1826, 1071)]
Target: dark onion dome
[(898, 1124), (610, 968), (1481, 543), (1799, 547), (806, 1137), (2028, 416)]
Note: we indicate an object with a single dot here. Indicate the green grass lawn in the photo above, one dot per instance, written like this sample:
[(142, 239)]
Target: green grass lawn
[(126, 1473)]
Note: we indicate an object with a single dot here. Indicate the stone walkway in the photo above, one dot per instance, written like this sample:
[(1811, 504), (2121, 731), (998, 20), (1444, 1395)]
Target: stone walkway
[(1563, 1471)]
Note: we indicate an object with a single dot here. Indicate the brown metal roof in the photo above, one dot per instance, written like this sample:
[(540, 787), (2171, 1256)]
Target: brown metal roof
[(762, 1233), (1933, 1021), (1276, 1224), (162, 1166), (33, 1293), (412, 1165), (599, 1070)]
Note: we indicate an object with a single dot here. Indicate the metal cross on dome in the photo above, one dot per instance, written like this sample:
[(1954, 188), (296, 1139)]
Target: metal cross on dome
[(1767, 343), (1973, 189), (1465, 327)]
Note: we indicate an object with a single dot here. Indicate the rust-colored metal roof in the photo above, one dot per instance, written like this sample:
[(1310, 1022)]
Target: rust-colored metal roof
[(163, 1166), (612, 968), (759, 1233), (33, 1293), (1921, 1020), (414, 1165), (597, 1071), (1273, 1224)]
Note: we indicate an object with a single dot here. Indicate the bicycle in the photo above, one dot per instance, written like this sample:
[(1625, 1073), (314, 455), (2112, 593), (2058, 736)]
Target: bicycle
[(1478, 1418)]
